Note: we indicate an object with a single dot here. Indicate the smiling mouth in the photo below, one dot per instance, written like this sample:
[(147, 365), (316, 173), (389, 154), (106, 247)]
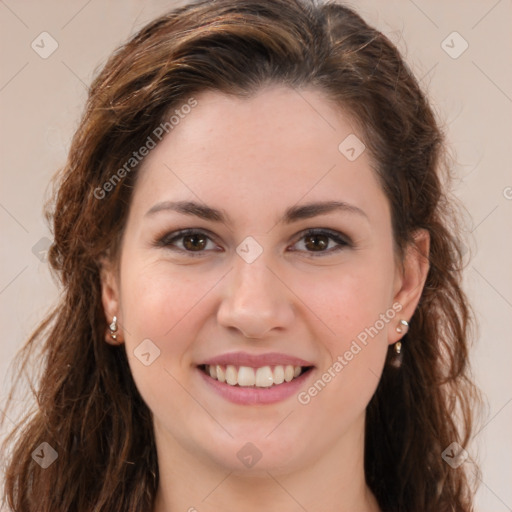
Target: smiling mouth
[(246, 376)]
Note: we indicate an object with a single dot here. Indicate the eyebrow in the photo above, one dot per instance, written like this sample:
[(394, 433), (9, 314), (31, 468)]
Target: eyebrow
[(292, 214)]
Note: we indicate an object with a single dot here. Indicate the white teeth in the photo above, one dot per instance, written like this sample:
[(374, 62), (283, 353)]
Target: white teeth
[(221, 375), (278, 375), (264, 377), (245, 376), (231, 375)]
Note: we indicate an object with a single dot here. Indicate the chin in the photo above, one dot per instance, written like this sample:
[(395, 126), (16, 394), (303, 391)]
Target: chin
[(255, 455)]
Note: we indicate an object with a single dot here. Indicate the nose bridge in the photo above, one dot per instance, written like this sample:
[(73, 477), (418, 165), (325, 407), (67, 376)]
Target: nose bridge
[(255, 300), (253, 281)]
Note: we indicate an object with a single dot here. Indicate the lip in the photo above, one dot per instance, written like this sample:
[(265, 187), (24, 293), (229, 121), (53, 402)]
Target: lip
[(256, 360), (253, 395)]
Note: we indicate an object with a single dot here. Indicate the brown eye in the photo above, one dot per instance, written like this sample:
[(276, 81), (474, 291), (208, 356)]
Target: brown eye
[(322, 242), (190, 242), (196, 242), (316, 242)]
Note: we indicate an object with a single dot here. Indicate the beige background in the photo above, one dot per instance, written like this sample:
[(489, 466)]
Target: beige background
[(41, 100)]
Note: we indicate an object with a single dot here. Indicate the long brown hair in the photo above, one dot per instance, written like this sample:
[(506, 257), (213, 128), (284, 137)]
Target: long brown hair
[(88, 408)]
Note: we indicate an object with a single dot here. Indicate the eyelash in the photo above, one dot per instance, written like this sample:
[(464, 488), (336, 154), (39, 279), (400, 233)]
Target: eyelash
[(342, 241)]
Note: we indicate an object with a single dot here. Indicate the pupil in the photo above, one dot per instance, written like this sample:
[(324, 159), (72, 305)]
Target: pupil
[(194, 242), (322, 244)]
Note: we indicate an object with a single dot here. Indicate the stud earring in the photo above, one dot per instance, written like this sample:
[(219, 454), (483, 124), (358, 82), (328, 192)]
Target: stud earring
[(402, 325), (113, 328)]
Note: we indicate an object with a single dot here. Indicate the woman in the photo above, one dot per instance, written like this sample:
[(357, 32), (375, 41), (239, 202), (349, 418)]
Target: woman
[(262, 305)]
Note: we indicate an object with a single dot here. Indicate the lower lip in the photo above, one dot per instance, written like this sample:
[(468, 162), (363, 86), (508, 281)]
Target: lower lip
[(256, 396)]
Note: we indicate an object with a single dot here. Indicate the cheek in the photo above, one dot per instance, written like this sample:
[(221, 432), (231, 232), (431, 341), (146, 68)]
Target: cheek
[(162, 307), (348, 300), (157, 303), (356, 312)]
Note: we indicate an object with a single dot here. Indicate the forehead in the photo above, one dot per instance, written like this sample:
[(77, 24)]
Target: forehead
[(281, 145)]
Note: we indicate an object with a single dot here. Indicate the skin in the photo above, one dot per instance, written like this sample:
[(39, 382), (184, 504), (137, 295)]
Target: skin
[(254, 158)]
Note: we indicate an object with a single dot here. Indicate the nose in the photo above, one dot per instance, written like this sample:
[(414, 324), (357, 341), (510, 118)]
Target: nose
[(256, 300)]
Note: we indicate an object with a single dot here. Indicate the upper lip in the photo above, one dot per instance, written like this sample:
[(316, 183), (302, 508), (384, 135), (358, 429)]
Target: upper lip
[(256, 360)]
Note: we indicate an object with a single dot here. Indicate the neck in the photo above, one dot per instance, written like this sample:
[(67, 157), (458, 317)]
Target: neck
[(335, 481)]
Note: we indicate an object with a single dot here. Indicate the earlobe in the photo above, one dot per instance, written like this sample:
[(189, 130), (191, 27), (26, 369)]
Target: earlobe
[(412, 280), (110, 301)]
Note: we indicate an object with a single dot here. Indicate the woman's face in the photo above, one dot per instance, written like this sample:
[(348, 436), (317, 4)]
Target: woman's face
[(255, 293)]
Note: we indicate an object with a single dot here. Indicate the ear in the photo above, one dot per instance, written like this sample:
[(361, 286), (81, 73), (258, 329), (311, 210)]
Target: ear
[(110, 299), (410, 279)]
